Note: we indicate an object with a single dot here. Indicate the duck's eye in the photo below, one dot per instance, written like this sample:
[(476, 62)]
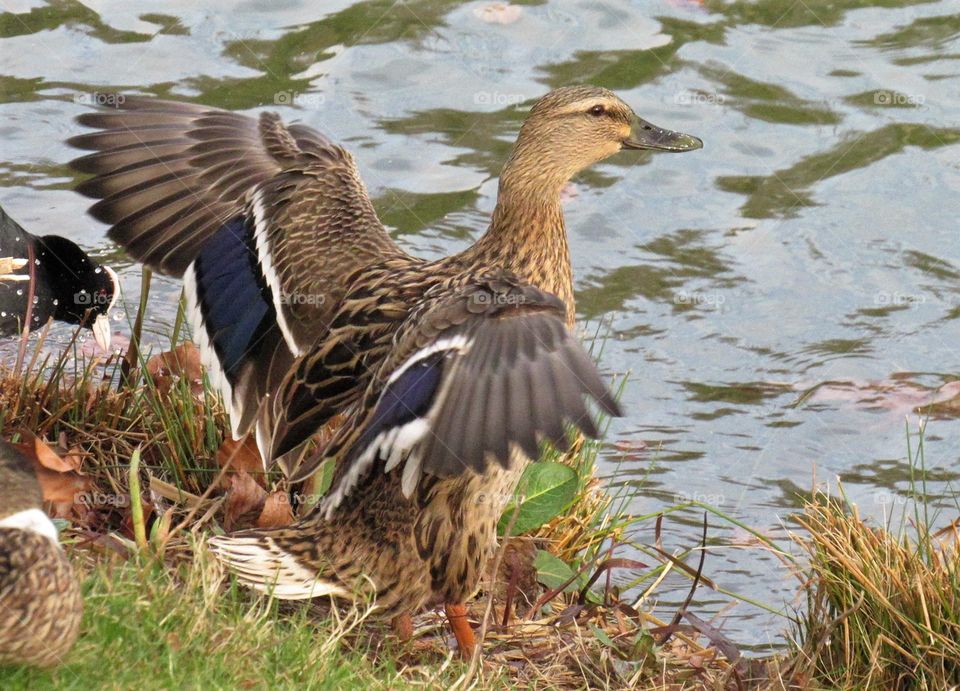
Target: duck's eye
[(597, 111)]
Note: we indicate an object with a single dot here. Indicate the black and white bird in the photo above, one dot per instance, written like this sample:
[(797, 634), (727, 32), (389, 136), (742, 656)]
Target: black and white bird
[(50, 277)]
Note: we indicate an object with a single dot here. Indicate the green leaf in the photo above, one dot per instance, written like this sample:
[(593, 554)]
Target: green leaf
[(554, 572), (602, 636), (544, 491)]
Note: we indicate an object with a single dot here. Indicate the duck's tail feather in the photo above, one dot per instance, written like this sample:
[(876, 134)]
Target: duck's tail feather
[(262, 563)]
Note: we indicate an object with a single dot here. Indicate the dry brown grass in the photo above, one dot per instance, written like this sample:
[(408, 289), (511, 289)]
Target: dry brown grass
[(883, 608)]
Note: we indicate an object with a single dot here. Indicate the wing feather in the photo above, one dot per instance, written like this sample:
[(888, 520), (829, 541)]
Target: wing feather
[(169, 176), (517, 376)]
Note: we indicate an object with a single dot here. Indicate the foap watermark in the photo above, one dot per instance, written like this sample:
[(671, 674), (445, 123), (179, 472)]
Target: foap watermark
[(297, 297), (496, 98), (100, 99), (298, 99), (713, 299), (897, 299), (485, 298), (886, 498), (897, 100), (497, 499), (87, 299), (699, 98), (94, 498), (707, 498)]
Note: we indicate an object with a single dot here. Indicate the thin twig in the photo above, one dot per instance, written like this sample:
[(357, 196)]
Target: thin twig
[(693, 586)]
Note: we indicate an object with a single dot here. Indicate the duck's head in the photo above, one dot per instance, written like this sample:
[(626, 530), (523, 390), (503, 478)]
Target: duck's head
[(573, 127), (85, 290)]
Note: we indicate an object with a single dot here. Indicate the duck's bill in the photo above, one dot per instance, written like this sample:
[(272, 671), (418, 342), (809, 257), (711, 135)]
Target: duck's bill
[(101, 331), (644, 135)]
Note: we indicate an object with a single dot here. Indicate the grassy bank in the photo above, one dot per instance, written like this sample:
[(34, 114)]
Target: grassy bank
[(882, 606), (160, 613), (153, 626)]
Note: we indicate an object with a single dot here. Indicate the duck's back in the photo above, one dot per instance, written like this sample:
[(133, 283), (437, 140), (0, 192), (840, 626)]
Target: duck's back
[(40, 599)]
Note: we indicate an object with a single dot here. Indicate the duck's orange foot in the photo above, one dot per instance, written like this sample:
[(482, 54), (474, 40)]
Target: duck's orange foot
[(403, 627), (457, 616)]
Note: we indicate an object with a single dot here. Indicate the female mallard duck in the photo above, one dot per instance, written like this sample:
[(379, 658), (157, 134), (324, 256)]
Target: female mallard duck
[(40, 602), (66, 284), (449, 372)]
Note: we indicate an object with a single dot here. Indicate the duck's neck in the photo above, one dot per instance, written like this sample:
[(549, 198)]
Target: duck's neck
[(527, 234)]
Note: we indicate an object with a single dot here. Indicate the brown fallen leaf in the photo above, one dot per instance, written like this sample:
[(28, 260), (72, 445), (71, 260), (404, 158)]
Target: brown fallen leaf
[(181, 362), (60, 483), (45, 455), (276, 511), (244, 502), (245, 458), (68, 489), (184, 360)]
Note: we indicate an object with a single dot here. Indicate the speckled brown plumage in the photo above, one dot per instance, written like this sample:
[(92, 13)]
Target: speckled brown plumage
[(448, 372), (40, 600)]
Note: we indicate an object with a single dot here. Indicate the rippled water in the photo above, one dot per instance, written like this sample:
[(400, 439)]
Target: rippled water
[(784, 299)]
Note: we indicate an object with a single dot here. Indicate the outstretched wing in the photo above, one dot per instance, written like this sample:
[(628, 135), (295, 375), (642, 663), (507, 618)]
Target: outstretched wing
[(264, 220), (476, 376)]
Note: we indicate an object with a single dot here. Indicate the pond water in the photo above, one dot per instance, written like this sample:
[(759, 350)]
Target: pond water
[(785, 300)]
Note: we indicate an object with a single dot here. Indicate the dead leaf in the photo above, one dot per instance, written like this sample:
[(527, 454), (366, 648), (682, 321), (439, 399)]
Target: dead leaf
[(63, 488), (60, 483), (276, 511), (244, 502), (44, 454), (184, 360), (181, 362), (245, 458), (71, 455)]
